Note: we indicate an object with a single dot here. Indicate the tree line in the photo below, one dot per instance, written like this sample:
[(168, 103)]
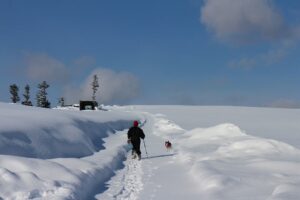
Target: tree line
[(41, 96)]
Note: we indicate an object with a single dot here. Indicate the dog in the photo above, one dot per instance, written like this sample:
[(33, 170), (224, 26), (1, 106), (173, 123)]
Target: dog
[(168, 145)]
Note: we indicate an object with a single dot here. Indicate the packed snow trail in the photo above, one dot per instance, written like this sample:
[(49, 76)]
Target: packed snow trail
[(153, 177), (126, 184)]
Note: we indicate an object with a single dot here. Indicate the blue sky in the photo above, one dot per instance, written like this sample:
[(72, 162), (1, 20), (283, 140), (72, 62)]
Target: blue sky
[(229, 52)]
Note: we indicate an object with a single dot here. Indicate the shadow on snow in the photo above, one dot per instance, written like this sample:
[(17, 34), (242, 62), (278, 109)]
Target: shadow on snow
[(159, 156)]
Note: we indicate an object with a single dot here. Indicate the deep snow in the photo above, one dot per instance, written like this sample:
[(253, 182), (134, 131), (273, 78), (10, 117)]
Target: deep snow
[(221, 161), (228, 153), (274, 123), (85, 148)]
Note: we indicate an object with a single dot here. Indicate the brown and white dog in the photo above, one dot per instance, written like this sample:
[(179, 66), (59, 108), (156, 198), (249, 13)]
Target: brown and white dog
[(168, 145)]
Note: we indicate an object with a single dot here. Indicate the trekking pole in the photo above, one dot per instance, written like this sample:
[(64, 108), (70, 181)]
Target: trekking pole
[(145, 148)]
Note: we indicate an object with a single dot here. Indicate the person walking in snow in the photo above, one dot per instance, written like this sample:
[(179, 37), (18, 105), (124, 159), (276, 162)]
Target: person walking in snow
[(135, 134)]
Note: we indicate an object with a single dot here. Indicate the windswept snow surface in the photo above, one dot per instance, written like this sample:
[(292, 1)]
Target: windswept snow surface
[(55, 154), (228, 153), (226, 163), (274, 123), (213, 163)]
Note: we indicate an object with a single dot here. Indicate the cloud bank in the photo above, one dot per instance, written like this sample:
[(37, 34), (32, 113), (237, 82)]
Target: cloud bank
[(115, 88), (40, 67), (285, 103), (245, 20), (251, 21)]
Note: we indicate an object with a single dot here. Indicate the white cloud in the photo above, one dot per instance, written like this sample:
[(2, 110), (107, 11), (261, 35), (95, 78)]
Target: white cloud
[(248, 21), (115, 88), (84, 61), (268, 58), (244, 20), (40, 67)]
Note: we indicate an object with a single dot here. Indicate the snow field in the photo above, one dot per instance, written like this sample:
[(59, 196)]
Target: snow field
[(86, 148), (63, 154), (61, 178), (27, 131), (224, 162), (273, 123)]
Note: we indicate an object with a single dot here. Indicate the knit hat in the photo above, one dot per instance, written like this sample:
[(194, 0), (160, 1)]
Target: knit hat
[(135, 123)]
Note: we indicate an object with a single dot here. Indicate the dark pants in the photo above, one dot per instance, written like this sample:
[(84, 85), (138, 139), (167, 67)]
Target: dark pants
[(136, 144)]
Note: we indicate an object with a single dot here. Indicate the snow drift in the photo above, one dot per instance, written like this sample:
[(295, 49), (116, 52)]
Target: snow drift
[(229, 153), (85, 148), (226, 163), (44, 133)]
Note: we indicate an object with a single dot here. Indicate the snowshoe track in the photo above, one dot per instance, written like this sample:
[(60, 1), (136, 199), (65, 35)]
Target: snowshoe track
[(127, 183)]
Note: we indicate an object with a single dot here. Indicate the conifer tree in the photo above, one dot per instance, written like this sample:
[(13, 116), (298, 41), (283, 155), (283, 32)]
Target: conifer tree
[(41, 96), (61, 101), (26, 96), (14, 90), (95, 85)]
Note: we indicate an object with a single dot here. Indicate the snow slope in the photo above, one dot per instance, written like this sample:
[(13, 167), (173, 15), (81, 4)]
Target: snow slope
[(228, 153), (217, 162), (226, 163), (274, 123), (85, 148)]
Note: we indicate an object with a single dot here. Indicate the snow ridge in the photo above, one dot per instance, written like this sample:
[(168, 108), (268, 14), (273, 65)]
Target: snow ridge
[(86, 148), (226, 163), (218, 162)]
